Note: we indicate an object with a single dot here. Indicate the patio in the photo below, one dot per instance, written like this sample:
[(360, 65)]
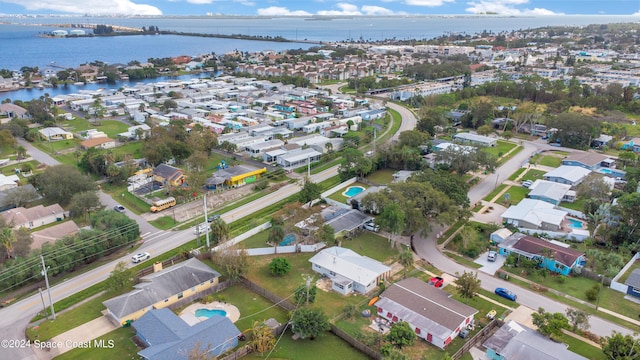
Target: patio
[(189, 313)]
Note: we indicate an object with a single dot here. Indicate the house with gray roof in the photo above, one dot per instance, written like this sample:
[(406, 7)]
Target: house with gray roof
[(516, 341), (535, 214), (551, 192), (552, 255), (432, 314), (161, 289), (349, 271), (588, 160), (168, 337)]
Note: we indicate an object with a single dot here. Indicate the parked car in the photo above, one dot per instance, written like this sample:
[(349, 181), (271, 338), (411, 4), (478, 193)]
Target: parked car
[(492, 256), (436, 281), (119, 208), (371, 226), (213, 217), (201, 229), (140, 257), (506, 294), (527, 183)]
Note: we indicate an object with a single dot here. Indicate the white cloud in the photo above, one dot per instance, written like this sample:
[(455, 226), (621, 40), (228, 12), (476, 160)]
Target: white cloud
[(281, 11), (505, 7), (429, 3), (89, 6), (376, 10), (345, 9)]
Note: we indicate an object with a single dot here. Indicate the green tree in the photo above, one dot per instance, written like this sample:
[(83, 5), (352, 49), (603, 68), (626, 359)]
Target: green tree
[(309, 322), (121, 279), (406, 259), (262, 340), (621, 347), (219, 231), (401, 335), (7, 241), (575, 130), (305, 295), (309, 192), (59, 183), (550, 324), (354, 164), (279, 266), (276, 234), (468, 285), (233, 263), (392, 219), (327, 235), (578, 319), (83, 203)]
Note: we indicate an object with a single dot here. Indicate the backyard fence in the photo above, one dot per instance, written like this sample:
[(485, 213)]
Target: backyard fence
[(268, 295), (149, 269), (200, 294), (481, 336), (241, 352), (355, 343)]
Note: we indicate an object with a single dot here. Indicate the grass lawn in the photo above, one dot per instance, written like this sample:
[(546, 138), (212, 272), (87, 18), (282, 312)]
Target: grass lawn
[(495, 192), (129, 201), (258, 240), (252, 307), (576, 205), (582, 348), (506, 158), (502, 147), (382, 177), (55, 146), (123, 347), (516, 174), (112, 127), (533, 175), (463, 260), (324, 347), (516, 194), (133, 148), (164, 223), (372, 245), (66, 321), (551, 161)]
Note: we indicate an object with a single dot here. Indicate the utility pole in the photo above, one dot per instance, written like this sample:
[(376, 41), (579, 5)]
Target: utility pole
[(309, 166), (44, 306), (46, 279), (206, 220)]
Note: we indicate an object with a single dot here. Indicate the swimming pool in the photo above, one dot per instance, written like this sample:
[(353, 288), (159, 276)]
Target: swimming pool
[(210, 312), (575, 224), (353, 191), (288, 240)]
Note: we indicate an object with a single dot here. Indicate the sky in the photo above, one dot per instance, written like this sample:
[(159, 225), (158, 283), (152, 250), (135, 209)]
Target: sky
[(321, 7)]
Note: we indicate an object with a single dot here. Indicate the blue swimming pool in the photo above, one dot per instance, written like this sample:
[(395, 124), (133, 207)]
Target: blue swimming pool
[(210, 312), (575, 224), (353, 191), (288, 240)]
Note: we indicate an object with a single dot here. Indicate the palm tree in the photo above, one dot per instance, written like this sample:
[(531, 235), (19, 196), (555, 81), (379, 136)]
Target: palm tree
[(21, 153), (220, 231), (7, 239), (406, 259)]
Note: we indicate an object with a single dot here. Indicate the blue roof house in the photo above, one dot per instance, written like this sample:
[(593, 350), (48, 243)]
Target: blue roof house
[(168, 337), (633, 283)]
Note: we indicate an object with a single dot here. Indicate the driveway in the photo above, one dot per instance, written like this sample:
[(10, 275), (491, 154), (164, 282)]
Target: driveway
[(489, 267)]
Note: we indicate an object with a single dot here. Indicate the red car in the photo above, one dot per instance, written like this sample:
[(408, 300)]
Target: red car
[(436, 281)]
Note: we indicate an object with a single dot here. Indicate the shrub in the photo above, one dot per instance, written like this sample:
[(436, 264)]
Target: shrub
[(592, 293), (279, 266)]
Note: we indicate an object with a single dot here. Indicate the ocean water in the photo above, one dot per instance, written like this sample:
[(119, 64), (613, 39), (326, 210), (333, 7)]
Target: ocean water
[(21, 46)]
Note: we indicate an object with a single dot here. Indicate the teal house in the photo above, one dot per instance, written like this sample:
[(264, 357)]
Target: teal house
[(550, 255)]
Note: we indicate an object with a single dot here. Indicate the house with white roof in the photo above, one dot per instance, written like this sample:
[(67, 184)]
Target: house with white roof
[(551, 192), (432, 314), (349, 271), (8, 182), (565, 174), (54, 134), (535, 214), (475, 139), (297, 158)]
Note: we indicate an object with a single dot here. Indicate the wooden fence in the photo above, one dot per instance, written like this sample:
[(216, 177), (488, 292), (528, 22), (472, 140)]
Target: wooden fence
[(267, 294), (200, 294), (149, 269), (358, 345), (243, 351), (481, 336)]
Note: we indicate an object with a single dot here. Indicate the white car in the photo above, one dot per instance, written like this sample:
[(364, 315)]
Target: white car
[(527, 183), (140, 257), (201, 229), (371, 226)]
